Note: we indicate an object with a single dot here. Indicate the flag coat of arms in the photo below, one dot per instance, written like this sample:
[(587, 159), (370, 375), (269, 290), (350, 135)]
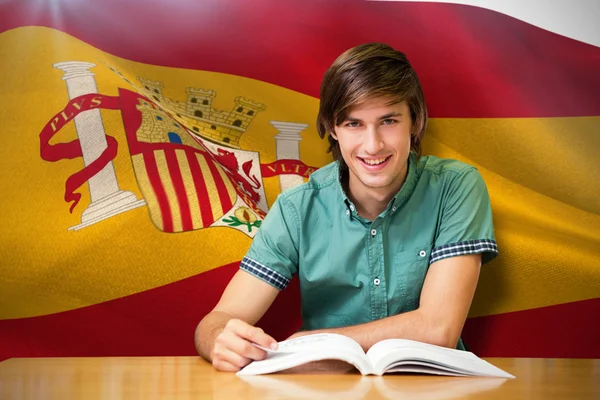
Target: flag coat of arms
[(144, 144)]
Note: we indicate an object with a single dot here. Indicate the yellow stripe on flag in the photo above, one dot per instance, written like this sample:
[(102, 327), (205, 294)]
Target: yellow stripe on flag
[(557, 157)]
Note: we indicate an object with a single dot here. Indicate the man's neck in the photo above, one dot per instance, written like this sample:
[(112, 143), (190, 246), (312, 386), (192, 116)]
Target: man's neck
[(373, 201), (370, 205)]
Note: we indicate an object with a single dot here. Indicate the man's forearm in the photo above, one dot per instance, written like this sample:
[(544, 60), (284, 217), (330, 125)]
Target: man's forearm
[(207, 331), (414, 325), (437, 320)]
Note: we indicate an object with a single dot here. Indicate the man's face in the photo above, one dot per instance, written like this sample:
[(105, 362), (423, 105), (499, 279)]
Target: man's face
[(375, 143)]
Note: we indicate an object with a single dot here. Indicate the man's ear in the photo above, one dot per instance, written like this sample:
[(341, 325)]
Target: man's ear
[(333, 135)]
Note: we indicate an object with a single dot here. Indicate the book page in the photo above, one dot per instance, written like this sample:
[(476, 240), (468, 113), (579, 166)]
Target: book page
[(392, 351), (420, 367), (318, 341), (309, 348)]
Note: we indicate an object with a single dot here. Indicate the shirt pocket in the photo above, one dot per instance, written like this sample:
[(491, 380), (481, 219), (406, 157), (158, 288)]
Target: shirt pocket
[(409, 270)]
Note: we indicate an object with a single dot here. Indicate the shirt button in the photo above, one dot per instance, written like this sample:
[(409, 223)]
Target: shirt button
[(351, 207), (394, 208), (376, 281), (373, 232), (347, 212), (422, 253)]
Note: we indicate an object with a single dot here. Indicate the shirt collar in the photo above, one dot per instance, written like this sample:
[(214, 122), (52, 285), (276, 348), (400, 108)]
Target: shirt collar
[(408, 186)]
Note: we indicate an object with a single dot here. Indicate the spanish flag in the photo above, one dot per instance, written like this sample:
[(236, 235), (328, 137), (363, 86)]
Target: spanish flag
[(143, 144)]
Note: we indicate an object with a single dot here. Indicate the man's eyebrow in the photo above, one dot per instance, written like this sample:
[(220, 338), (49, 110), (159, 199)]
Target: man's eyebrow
[(351, 119), (392, 114), (386, 116)]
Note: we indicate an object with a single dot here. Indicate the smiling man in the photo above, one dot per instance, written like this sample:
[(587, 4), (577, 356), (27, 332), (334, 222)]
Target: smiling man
[(385, 243)]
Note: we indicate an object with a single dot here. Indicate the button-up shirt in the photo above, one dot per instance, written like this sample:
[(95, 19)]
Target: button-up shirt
[(353, 270)]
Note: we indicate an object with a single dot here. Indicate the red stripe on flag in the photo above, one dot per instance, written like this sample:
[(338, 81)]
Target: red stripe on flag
[(179, 186), (159, 191), (165, 328), (559, 331), (201, 191), (473, 62), (224, 199)]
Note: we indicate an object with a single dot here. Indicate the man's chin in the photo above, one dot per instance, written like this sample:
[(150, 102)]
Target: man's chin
[(374, 183)]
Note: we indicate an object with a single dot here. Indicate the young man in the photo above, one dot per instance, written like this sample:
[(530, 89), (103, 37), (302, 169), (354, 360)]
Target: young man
[(386, 244)]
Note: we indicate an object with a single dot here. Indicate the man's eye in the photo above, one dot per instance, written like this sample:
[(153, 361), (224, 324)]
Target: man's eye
[(388, 121), (353, 124)]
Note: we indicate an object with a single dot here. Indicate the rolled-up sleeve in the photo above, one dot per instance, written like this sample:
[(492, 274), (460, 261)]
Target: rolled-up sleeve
[(273, 254)]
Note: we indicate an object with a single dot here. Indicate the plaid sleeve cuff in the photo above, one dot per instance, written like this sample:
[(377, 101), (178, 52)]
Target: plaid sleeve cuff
[(264, 273), (462, 248)]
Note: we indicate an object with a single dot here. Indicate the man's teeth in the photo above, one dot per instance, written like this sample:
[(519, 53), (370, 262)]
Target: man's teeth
[(375, 162)]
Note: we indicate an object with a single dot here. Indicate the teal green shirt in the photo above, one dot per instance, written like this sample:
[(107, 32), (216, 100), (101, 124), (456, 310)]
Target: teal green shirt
[(353, 270)]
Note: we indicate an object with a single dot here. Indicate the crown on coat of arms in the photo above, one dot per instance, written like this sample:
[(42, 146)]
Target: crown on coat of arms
[(198, 115)]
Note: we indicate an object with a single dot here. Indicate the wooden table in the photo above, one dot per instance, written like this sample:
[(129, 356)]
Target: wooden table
[(192, 378)]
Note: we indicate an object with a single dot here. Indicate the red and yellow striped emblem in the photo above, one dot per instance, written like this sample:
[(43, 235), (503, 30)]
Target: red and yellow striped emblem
[(184, 188)]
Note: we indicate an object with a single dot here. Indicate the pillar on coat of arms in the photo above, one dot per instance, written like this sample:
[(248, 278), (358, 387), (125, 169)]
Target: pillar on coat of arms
[(107, 199), (288, 148)]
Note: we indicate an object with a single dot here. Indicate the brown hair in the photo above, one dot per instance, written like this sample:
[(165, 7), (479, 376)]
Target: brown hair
[(366, 71)]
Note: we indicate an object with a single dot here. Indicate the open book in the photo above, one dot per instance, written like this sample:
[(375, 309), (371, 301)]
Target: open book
[(392, 355)]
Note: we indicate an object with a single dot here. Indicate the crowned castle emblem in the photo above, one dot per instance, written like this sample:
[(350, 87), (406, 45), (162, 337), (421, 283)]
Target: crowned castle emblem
[(198, 115)]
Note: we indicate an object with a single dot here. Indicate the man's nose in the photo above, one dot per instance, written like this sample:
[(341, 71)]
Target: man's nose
[(373, 142)]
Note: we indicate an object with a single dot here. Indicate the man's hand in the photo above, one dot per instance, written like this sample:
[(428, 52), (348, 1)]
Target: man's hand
[(234, 347)]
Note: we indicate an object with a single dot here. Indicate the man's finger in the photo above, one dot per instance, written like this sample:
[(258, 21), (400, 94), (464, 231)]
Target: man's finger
[(224, 366), (233, 358), (241, 346), (252, 334), (247, 349)]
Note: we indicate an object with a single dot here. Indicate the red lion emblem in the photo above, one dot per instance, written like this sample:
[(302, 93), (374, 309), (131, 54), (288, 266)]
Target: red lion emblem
[(249, 183)]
